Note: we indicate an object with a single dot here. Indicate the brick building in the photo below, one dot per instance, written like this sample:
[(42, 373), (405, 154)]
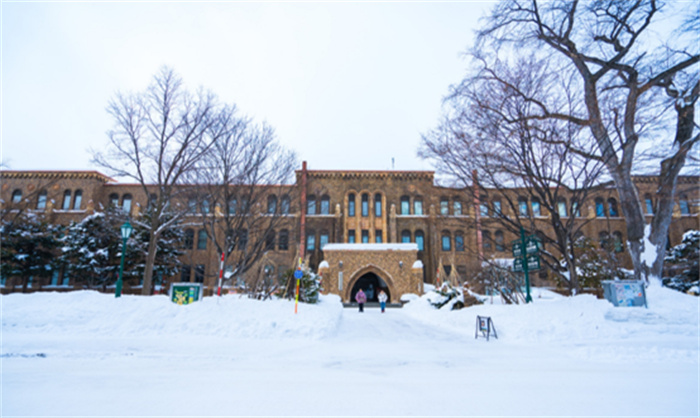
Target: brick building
[(405, 228)]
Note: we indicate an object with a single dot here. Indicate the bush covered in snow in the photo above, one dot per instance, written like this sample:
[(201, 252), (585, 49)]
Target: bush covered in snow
[(682, 271), (446, 296)]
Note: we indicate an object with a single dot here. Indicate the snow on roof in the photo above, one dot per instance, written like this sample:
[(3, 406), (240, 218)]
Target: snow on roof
[(418, 264), (323, 265), (372, 247)]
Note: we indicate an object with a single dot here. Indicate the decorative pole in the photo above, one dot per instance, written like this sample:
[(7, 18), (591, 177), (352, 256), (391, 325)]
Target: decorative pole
[(221, 274), (126, 232)]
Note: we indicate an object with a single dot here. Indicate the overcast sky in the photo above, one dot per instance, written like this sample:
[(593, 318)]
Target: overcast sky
[(346, 85)]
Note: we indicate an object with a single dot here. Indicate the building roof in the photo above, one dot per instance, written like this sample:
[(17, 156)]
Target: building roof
[(56, 174)]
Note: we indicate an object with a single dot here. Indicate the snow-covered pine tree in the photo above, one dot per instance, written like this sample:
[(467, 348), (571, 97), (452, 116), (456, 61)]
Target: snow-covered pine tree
[(682, 271)]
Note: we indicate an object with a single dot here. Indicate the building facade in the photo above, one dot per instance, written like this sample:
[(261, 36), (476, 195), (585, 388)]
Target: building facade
[(373, 229)]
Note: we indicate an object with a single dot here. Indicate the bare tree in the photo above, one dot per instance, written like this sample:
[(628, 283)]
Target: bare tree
[(486, 131), (627, 82), (159, 135), (244, 177)]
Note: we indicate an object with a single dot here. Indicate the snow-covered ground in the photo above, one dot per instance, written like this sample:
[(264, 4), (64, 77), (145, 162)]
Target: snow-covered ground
[(89, 354)]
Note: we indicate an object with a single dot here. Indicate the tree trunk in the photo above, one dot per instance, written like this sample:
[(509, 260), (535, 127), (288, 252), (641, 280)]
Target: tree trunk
[(634, 217), (150, 261)]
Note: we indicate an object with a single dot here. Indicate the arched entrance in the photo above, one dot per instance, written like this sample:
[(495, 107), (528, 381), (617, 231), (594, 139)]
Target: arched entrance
[(371, 284)]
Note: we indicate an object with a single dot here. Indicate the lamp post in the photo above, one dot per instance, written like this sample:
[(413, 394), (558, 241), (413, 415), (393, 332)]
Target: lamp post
[(126, 232)]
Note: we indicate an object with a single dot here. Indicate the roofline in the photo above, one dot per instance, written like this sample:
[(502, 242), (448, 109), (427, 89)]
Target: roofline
[(56, 173)]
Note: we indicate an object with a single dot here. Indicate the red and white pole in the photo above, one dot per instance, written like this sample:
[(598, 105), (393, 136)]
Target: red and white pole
[(221, 274)]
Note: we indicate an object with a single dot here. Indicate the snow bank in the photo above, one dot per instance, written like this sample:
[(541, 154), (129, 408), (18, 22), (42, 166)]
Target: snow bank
[(231, 316)]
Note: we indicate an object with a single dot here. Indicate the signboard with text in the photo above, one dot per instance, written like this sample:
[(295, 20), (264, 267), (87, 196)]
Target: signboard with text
[(185, 293)]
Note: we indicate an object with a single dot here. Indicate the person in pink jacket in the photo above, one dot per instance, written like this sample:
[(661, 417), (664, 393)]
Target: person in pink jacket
[(360, 298)]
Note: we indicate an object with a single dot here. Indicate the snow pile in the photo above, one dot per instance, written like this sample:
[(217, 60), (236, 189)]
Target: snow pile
[(231, 316)]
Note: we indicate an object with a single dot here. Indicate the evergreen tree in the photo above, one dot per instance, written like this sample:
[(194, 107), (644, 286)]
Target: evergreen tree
[(682, 272)]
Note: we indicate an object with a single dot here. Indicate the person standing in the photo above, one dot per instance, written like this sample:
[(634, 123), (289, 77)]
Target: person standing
[(382, 300), (361, 298)]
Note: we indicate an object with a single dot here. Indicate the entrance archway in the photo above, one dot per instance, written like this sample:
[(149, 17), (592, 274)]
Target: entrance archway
[(371, 284)]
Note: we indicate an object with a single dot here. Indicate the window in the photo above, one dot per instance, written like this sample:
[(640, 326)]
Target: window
[(324, 239), (54, 277), (41, 200), (283, 241), (604, 239), (684, 206), (365, 204), (499, 241), (459, 241), (66, 200), (599, 208), (378, 236), (612, 208), (325, 205), (457, 208), (126, 203), (242, 239), (192, 205), (405, 236), (185, 273), (351, 236), (270, 240), (311, 240), (202, 239), (189, 239), (418, 206), (405, 205), (204, 207), (483, 209), (232, 206), (444, 206), (575, 208), (649, 204), (486, 240), (420, 240), (17, 196), (536, 208), (311, 205), (377, 205), (199, 273), (561, 208), (365, 236), (446, 241), (497, 207), (271, 204), (245, 205), (617, 242), (351, 204), (522, 206), (284, 205)]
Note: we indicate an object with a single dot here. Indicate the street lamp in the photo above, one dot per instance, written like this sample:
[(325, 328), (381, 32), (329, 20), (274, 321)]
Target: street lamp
[(126, 232)]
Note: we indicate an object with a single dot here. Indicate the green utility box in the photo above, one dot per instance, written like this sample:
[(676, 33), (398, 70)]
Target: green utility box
[(185, 293)]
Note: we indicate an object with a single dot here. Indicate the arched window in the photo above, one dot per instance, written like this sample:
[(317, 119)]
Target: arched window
[(561, 208), (418, 206), (351, 204), (283, 241), (604, 240), (522, 206), (536, 208), (484, 209), (202, 239), (17, 196), (325, 205), (365, 204), (189, 239), (498, 239), (496, 207), (612, 208), (271, 204), (126, 203), (232, 203), (649, 204), (446, 240), (311, 240), (270, 240), (617, 242), (444, 206), (41, 200), (244, 206), (405, 236), (66, 200), (152, 200), (459, 241), (457, 207), (311, 205), (323, 239), (284, 205), (192, 205), (204, 206), (486, 240), (405, 205), (576, 209), (683, 204), (599, 207), (78, 199), (420, 240), (378, 205)]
